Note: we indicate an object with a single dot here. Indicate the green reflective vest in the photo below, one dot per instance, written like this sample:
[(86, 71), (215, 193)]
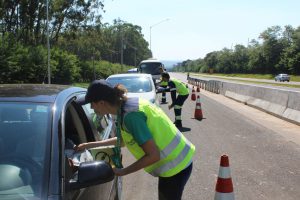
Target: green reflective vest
[(163, 83), (180, 87), (176, 151)]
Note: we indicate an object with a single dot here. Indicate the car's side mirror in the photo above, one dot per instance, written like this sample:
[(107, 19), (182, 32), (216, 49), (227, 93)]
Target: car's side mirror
[(91, 173)]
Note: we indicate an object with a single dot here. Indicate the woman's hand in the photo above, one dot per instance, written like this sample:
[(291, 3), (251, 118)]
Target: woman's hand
[(119, 171), (81, 147)]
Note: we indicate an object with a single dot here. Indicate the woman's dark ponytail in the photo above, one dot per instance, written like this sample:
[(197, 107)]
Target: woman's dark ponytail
[(120, 94)]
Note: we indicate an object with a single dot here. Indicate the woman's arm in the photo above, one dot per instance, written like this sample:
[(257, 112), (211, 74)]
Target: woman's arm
[(89, 145)]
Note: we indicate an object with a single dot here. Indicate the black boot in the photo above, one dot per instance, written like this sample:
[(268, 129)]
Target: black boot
[(178, 124)]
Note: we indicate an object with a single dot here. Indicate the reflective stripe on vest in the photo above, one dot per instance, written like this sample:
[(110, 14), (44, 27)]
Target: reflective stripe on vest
[(176, 151)]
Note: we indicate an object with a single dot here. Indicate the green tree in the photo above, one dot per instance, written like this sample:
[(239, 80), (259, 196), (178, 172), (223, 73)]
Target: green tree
[(211, 60), (290, 59), (65, 68), (240, 58)]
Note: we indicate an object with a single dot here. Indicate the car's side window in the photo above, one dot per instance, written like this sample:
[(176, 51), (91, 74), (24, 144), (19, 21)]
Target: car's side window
[(103, 124)]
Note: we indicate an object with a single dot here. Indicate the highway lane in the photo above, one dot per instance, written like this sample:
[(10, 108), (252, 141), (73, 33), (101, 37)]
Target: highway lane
[(264, 153)]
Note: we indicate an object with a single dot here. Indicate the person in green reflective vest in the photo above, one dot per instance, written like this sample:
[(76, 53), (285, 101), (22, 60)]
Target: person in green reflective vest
[(176, 86), (151, 137)]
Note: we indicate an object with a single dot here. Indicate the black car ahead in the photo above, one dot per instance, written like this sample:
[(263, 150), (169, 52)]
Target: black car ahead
[(39, 125)]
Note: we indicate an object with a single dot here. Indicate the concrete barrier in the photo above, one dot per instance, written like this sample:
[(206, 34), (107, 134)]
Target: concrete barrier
[(281, 103)]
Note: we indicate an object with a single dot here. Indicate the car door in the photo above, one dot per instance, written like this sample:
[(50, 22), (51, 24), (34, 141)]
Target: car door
[(79, 128)]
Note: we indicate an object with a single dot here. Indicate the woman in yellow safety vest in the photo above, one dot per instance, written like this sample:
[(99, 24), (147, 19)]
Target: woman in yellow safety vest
[(159, 147)]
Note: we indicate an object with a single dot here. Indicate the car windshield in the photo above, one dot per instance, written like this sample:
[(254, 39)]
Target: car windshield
[(24, 129), (133, 84), (150, 68)]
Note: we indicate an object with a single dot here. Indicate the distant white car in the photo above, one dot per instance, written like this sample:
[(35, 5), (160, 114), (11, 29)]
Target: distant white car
[(138, 85)]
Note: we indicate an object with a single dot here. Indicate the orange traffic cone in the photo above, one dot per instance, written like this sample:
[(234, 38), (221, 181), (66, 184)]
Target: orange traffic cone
[(193, 97), (198, 111), (224, 186), (198, 88)]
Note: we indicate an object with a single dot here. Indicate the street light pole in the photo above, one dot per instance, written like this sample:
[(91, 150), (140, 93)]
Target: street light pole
[(156, 25)]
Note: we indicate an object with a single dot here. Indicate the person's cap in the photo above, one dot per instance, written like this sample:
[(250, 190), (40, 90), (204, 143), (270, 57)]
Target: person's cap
[(98, 90)]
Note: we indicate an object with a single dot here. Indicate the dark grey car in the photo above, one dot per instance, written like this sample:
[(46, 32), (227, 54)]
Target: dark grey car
[(39, 124), (282, 77)]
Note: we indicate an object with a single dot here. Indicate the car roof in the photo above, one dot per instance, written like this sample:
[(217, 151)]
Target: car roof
[(151, 61), (34, 92), (131, 75), (132, 69)]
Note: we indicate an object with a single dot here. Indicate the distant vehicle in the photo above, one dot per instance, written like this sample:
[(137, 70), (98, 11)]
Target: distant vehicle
[(133, 70), (138, 85), (39, 126), (282, 77), (151, 66)]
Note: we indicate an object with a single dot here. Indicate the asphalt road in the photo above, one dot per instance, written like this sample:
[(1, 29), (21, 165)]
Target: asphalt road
[(264, 153)]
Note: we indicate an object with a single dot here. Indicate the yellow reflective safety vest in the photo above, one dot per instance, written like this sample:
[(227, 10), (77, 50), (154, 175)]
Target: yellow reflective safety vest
[(163, 83), (176, 151), (180, 87)]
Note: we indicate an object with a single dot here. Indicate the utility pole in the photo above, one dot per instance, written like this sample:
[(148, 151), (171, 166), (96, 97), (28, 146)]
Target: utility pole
[(93, 58), (122, 49), (135, 56), (48, 45)]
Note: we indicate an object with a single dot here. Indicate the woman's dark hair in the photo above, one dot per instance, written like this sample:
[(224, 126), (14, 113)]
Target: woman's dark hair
[(120, 95)]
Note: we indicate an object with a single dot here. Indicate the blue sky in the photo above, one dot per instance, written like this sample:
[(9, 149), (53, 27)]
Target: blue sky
[(197, 27)]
